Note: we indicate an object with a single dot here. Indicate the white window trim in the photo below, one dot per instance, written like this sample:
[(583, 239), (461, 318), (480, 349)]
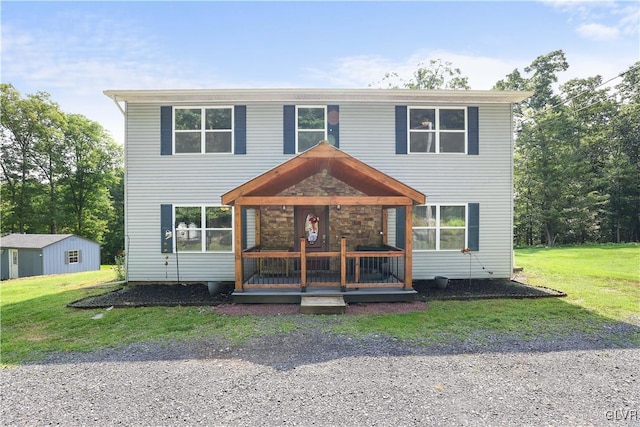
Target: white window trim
[(203, 230), (202, 130), (436, 129), (438, 227), (324, 107), (76, 255)]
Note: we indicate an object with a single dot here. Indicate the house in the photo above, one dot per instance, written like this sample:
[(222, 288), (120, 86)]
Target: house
[(298, 190), (24, 255)]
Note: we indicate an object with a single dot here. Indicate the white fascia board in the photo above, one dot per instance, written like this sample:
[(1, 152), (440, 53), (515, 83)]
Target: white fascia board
[(199, 96)]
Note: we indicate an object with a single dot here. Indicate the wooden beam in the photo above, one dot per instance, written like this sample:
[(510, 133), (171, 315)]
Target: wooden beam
[(323, 201), (385, 226), (258, 227), (237, 244), (408, 247), (343, 263), (303, 265)]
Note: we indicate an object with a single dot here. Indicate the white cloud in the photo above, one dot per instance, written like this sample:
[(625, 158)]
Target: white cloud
[(598, 32), (629, 22), (95, 54), (361, 71), (600, 20)]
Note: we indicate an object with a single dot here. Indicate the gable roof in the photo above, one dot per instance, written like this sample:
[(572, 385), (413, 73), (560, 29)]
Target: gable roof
[(31, 241), (320, 158)]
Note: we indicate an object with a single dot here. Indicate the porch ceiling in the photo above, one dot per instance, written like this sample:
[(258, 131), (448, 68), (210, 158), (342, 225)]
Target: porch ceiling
[(338, 164)]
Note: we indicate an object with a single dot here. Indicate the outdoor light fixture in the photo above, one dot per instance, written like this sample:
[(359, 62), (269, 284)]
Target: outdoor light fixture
[(284, 208)]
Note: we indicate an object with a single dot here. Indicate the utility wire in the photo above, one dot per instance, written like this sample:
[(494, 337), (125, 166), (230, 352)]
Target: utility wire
[(548, 107)]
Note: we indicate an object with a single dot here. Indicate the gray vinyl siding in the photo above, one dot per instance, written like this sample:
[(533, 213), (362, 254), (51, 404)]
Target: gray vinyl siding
[(54, 256), (367, 132), (30, 262)]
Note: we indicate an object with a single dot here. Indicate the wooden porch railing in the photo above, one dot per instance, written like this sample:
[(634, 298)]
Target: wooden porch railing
[(370, 268)]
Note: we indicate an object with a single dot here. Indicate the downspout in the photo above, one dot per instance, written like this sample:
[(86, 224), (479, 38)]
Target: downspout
[(512, 262), (127, 242)]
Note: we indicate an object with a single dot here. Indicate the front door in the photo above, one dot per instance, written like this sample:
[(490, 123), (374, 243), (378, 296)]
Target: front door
[(13, 263), (311, 223)]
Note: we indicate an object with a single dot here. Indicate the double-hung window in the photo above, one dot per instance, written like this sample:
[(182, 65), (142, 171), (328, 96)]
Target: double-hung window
[(204, 228), (203, 129), (437, 130), (311, 126), (73, 256), (440, 227)]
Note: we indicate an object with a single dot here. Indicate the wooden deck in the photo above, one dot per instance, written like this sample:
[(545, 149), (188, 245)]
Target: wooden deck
[(373, 268)]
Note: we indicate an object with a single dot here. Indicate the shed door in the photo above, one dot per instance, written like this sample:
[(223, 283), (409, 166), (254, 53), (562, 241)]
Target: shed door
[(13, 264)]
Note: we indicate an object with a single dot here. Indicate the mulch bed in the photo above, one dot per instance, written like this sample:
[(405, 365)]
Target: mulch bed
[(222, 302)]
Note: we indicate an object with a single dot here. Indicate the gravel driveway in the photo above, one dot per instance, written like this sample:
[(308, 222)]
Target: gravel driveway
[(313, 378)]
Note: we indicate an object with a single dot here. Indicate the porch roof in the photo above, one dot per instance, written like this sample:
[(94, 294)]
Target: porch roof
[(378, 187)]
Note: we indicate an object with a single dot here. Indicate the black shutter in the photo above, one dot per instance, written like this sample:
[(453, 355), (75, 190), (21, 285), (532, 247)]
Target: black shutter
[(401, 129), (240, 129), (474, 226), (333, 130), (473, 133), (166, 225), (400, 227), (166, 130), (289, 129)]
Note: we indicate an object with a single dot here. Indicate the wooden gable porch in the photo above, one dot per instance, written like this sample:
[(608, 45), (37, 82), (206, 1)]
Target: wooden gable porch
[(349, 201)]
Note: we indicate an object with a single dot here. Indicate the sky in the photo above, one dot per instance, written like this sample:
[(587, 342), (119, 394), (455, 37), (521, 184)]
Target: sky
[(76, 50)]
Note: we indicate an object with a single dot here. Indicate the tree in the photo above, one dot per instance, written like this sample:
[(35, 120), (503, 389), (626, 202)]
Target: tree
[(622, 166), (541, 155), (573, 180), (31, 130), (89, 170), (113, 239), (437, 75), (60, 172)]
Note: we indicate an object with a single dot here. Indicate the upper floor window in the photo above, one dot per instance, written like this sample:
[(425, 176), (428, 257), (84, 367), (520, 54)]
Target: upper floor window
[(311, 126), (439, 227), (203, 130), (437, 130), (204, 228)]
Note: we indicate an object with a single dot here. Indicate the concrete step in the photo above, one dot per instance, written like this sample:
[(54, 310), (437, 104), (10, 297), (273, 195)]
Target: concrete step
[(322, 304)]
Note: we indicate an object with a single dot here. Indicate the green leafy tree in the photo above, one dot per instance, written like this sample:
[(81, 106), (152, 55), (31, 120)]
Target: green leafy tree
[(574, 159), (60, 173), (541, 156), (437, 75), (90, 163), (113, 240), (622, 165), (30, 150)]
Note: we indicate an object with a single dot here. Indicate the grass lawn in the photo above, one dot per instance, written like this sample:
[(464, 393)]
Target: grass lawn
[(602, 282)]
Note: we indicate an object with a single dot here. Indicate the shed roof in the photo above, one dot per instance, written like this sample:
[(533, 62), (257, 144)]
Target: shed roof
[(31, 241)]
